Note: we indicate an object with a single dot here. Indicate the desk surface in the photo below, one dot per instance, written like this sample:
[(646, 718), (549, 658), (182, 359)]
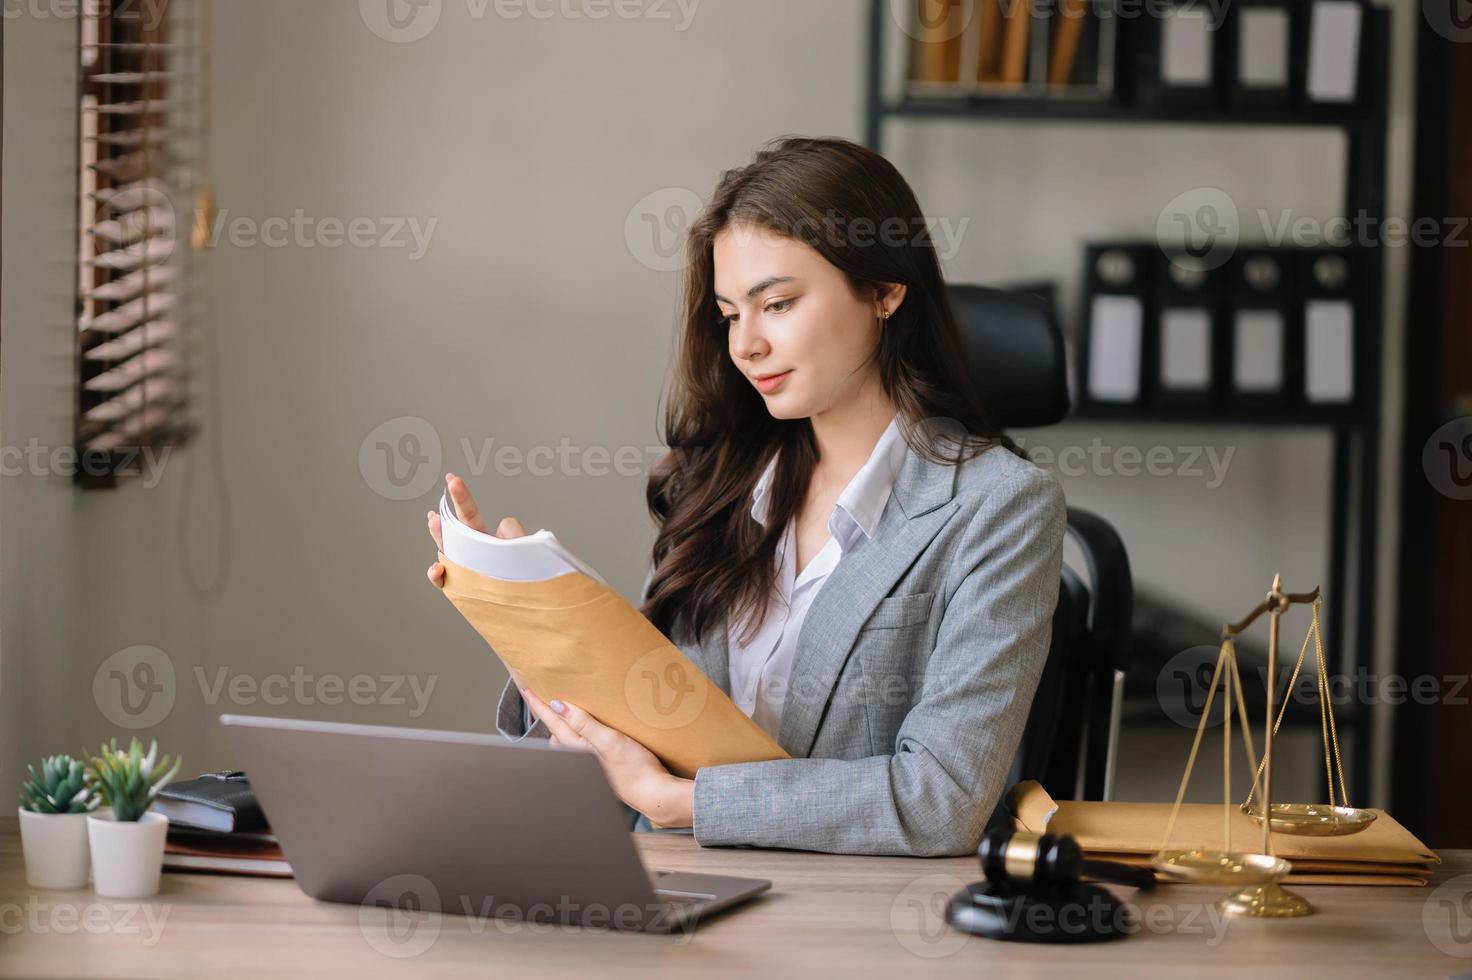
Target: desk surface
[(824, 916)]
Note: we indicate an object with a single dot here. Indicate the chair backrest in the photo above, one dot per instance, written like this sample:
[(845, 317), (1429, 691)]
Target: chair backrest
[(1015, 352)]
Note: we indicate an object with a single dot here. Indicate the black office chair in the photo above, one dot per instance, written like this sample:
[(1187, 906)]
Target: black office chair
[(1016, 354)]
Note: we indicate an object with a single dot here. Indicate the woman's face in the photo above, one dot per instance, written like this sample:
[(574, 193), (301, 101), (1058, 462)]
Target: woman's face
[(795, 328)]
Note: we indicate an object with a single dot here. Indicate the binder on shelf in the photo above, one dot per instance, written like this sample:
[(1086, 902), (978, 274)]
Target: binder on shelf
[(938, 29), (1266, 41), (1334, 53), (987, 43), (1116, 346), (1179, 54), (1261, 300), (1067, 29), (1328, 279), (1016, 30), (1188, 307), (1080, 45)]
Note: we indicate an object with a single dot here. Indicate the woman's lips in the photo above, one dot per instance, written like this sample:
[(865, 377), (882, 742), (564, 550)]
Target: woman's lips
[(770, 384)]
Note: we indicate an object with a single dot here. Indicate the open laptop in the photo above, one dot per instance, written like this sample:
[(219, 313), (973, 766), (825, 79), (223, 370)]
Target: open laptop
[(462, 823)]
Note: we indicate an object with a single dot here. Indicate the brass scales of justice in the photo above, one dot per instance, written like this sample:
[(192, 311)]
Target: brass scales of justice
[(1257, 874)]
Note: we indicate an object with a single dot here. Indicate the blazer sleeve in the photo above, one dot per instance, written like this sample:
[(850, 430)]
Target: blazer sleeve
[(955, 747)]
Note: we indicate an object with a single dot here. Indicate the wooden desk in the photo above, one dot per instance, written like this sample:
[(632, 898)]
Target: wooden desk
[(825, 916)]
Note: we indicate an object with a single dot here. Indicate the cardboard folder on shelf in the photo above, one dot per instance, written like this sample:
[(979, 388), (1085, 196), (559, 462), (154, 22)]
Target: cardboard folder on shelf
[(939, 29), (1385, 853), (575, 639)]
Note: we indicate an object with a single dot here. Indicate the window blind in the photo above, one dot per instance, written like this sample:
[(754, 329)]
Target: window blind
[(141, 167)]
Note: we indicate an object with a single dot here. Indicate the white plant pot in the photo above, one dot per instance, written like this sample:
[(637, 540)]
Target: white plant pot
[(55, 846), (127, 856)]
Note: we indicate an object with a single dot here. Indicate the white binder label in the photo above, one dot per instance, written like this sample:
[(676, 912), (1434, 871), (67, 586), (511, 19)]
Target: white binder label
[(1114, 348), (1329, 372)]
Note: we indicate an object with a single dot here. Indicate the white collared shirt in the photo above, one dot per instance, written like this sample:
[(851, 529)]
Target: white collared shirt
[(760, 670)]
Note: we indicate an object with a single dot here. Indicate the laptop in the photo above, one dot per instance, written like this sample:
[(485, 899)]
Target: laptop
[(464, 824)]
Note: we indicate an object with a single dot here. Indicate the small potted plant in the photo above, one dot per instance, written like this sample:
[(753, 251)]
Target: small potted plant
[(127, 840), (53, 823)]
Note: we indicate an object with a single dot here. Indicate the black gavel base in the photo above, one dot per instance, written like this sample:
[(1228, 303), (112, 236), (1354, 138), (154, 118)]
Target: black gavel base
[(1076, 913)]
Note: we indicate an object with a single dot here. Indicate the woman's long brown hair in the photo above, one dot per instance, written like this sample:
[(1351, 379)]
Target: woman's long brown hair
[(712, 560)]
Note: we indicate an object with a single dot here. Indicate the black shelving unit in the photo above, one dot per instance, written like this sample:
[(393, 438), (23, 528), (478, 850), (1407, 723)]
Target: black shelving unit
[(1355, 429)]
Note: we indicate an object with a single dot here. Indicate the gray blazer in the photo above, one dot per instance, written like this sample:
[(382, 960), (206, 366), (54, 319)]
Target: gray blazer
[(915, 670)]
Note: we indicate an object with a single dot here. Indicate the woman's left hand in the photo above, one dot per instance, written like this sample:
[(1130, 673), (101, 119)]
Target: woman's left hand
[(636, 775)]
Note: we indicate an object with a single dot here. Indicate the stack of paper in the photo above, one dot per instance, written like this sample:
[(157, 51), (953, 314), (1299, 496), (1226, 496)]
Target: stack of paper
[(1385, 853), (535, 557)]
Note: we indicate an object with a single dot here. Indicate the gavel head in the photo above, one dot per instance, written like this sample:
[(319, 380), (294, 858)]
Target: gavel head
[(1029, 861)]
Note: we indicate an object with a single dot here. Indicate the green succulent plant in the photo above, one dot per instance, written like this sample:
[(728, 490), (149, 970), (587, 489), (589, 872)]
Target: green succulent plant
[(128, 781), (60, 787)]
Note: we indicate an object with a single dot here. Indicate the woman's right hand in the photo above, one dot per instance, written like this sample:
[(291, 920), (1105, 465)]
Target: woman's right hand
[(470, 516)]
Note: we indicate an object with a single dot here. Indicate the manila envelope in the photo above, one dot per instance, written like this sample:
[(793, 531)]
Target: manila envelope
[(577, 640)]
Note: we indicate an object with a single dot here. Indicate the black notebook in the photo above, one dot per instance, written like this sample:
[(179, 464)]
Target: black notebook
[(220, 801)]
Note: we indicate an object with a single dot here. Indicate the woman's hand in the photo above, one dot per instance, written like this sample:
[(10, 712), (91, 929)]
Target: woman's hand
[(469, 514), (635, 774)]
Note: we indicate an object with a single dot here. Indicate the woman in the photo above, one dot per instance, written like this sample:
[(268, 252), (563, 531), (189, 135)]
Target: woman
[(846, 545)]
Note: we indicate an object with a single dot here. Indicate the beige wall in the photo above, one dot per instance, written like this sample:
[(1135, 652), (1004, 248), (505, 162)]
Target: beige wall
[(81, 575), (528, 320)]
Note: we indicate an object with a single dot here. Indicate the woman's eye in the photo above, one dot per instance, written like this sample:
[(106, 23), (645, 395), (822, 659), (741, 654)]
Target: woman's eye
[(777, 307)]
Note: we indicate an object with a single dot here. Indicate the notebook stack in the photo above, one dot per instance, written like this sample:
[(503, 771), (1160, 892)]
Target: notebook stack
[(216, 826)]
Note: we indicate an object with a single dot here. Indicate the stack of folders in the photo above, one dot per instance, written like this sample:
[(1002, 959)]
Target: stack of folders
[(1385, 853), (565, 634), (216, 826), (1252, 55), (1266, 329), (1010, 47)]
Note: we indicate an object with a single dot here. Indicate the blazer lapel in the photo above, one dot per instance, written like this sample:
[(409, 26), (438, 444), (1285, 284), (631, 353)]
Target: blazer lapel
[(920, 504), (712, 656)]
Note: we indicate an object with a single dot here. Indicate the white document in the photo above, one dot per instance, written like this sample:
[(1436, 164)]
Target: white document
[(1114, 348), (535, 557)]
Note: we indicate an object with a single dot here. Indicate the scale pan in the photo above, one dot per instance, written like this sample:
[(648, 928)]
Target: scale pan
[(1204, 867), (1313, 819)]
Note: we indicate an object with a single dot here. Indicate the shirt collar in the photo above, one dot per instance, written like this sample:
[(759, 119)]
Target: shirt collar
[(862, 501)]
